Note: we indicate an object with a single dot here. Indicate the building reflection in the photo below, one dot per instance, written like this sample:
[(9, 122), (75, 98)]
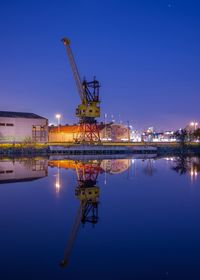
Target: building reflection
[(112, 166), (22, 169), (148, 167)]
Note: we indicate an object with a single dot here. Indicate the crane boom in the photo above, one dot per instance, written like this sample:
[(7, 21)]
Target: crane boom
[(74, 68), (72, 238)]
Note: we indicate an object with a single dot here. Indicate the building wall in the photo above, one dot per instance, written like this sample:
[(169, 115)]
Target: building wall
[(20, 129), (115, 132), (110, 132), (61, 134)]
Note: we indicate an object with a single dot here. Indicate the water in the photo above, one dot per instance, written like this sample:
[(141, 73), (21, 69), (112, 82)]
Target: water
[(144, 224)]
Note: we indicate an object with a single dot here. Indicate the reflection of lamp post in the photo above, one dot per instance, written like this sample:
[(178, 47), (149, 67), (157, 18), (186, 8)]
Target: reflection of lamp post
[(194, 124), (57, 184), (58, 117)]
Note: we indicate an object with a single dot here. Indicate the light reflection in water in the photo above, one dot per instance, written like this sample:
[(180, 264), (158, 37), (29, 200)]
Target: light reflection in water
[(58, 183), (193, 173), (185, 165)]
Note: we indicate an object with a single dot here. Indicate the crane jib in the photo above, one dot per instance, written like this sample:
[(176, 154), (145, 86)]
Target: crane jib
[(74, 69)]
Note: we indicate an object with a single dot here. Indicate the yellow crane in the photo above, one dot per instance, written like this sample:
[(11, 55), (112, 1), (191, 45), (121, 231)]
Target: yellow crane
[(89, 109)]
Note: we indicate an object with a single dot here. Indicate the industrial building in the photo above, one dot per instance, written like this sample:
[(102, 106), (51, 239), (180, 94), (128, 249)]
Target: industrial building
[(69, 133), (19, 127)]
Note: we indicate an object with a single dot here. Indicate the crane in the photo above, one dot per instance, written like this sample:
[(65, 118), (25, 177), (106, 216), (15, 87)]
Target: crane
[(89, 108)]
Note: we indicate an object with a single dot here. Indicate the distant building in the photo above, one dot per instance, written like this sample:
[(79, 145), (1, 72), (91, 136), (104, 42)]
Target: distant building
[(18, 127), (114, 132), (167, 136)]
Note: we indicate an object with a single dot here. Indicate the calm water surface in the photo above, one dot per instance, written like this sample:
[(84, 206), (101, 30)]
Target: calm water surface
[(100, 218)]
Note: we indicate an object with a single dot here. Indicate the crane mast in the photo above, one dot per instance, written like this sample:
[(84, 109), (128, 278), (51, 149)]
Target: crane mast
[(89, 109)]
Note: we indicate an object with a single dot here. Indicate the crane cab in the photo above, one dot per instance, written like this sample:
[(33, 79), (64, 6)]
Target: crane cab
[(88, 110), (87, 193)]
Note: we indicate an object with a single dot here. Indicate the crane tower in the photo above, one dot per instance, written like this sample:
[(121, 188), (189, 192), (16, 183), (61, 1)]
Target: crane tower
[(89, 108)]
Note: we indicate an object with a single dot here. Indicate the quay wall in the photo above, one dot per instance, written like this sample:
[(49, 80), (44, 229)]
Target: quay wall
[(46, 150)]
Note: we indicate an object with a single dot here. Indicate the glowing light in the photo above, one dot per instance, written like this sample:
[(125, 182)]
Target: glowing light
[(57, 183), (193, 173), (58, 116), (194, 124)]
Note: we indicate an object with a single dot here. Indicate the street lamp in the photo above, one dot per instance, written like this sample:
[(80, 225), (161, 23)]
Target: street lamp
[(58, 117), (194, 124), (105, 121), (128, 127)]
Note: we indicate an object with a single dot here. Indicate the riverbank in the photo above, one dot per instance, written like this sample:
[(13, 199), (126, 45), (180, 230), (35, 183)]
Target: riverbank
[(104, 148)]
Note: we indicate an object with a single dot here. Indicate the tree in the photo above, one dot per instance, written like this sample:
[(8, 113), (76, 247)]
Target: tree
[(180, 165), (181, 136), (196, 134)]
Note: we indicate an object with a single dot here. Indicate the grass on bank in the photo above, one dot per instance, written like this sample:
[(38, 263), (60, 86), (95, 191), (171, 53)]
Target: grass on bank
[(68, 144)]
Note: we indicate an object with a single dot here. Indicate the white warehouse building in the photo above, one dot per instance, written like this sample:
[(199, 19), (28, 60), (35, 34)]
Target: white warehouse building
[(19, 127)]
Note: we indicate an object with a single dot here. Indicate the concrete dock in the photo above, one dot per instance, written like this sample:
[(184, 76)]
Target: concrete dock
[(101, 150)]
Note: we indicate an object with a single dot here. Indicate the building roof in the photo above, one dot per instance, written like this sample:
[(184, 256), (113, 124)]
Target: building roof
[(13, 180), (7, 114)]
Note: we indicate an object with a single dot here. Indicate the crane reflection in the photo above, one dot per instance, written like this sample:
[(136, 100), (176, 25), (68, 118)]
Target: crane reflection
[(87, 191)]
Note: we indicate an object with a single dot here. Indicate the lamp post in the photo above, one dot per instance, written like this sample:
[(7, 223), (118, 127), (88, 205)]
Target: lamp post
[(105, 120), (194, 124), (58, 117), (128, 126)]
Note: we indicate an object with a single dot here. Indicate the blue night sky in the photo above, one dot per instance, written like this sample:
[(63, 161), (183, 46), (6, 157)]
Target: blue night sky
[(145, 53)]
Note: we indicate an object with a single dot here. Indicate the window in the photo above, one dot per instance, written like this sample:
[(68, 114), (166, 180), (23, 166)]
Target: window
[(39, 166), (7, 171), (39, 133)]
